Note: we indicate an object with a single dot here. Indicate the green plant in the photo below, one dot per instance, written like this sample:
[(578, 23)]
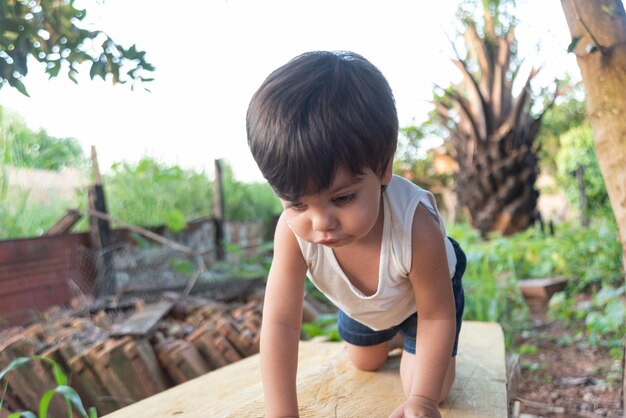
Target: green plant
[(601, 319), (577, 152), (150, 193), (53, 33), (589, 257), (249, 201), (527, 349), (324, 325), (19, 218), (70, 396), (22, 147)]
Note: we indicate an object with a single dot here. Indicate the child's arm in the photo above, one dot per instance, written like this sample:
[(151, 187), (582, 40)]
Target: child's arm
[(436, 315), (282, 318)]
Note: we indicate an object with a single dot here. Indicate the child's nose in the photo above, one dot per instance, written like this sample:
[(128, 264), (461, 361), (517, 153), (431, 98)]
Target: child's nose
[(323, 221)]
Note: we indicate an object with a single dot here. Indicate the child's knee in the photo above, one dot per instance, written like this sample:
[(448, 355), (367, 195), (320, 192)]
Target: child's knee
[(369, 358)]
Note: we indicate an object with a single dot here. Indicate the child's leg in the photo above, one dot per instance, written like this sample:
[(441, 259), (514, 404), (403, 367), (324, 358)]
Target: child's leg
[(367, 349), (407, 370), (368, 358)]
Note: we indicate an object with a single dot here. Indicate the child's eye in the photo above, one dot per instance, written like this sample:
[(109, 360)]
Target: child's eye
[(344, 199), (299, 206)]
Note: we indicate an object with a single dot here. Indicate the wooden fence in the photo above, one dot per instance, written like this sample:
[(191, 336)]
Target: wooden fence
[(36, 273)]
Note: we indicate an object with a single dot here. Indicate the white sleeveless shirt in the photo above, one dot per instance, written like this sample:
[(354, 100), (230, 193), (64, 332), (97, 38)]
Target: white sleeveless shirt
[(393, 301)]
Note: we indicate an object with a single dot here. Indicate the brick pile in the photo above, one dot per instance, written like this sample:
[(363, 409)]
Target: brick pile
[(111, 364)]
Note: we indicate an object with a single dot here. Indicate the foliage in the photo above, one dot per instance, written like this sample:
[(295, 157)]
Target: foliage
[(249, 201), (150, 193), (601, 320), (324, 325), (413, 158), (588, 257), (50, 32), (568, 112), (577, 151), (72, 399), (22, 147), (490, 282), (497, 16), (19, 218), (238, 266)]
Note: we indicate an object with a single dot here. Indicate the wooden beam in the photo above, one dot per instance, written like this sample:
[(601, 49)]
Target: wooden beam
[(100, 233), (142, 323), (65, 223), (328, 385)]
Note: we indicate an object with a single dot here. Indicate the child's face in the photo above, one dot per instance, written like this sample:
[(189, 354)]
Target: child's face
[(346, 213)]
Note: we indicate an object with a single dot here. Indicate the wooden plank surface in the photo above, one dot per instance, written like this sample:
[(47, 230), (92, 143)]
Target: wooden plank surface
[(143, 322), (328, 385)]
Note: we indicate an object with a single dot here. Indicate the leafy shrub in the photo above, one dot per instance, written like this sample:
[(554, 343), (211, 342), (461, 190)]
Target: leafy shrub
[(577, 151), (22, 147), (601, 319), (150, 193), (587, 256), (249, 201), (591, 258), (70, 396), (20, 218), (490, 282)]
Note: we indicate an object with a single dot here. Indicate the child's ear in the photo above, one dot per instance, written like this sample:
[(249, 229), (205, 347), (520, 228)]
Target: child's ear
[(388, 173)]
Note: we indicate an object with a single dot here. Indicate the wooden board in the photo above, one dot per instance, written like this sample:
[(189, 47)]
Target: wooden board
[(328, 385), (143, 322)]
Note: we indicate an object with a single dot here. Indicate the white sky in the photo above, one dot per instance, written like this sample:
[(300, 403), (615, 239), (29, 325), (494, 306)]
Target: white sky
[(211, 55)]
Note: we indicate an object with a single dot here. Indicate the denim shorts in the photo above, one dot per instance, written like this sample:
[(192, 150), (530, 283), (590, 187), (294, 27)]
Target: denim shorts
[(356, 333)]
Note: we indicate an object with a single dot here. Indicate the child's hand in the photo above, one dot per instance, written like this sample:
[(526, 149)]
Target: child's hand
[(416, 407)]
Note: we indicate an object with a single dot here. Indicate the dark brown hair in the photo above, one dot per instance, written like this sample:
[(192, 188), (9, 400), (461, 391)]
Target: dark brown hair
[(320, 111)]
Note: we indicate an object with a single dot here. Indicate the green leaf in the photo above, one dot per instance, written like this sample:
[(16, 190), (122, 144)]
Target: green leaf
[(22, 414), (573, 44), (176, 220), (59, 376), (14, 82), (182, 266), (311, 330), (69, 394), (18, 362)]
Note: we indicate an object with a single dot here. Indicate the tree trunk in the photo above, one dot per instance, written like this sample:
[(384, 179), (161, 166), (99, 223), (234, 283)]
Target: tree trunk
[(601, 56), (600, 27)]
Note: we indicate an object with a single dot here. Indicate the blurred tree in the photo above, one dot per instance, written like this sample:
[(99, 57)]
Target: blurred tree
[(567, 113), (579, 173), (492, 132), (22, 147), (598, 30), (50, 32)]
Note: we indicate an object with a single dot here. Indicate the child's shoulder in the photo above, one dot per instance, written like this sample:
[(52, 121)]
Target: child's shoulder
[(403, 197), (401, 186)]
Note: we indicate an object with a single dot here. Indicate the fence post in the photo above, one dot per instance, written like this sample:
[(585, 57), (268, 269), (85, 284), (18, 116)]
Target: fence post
[(218, 211), (100, 234)]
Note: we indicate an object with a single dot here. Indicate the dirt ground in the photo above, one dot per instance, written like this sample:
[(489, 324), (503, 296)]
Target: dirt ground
[(562, 379)]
